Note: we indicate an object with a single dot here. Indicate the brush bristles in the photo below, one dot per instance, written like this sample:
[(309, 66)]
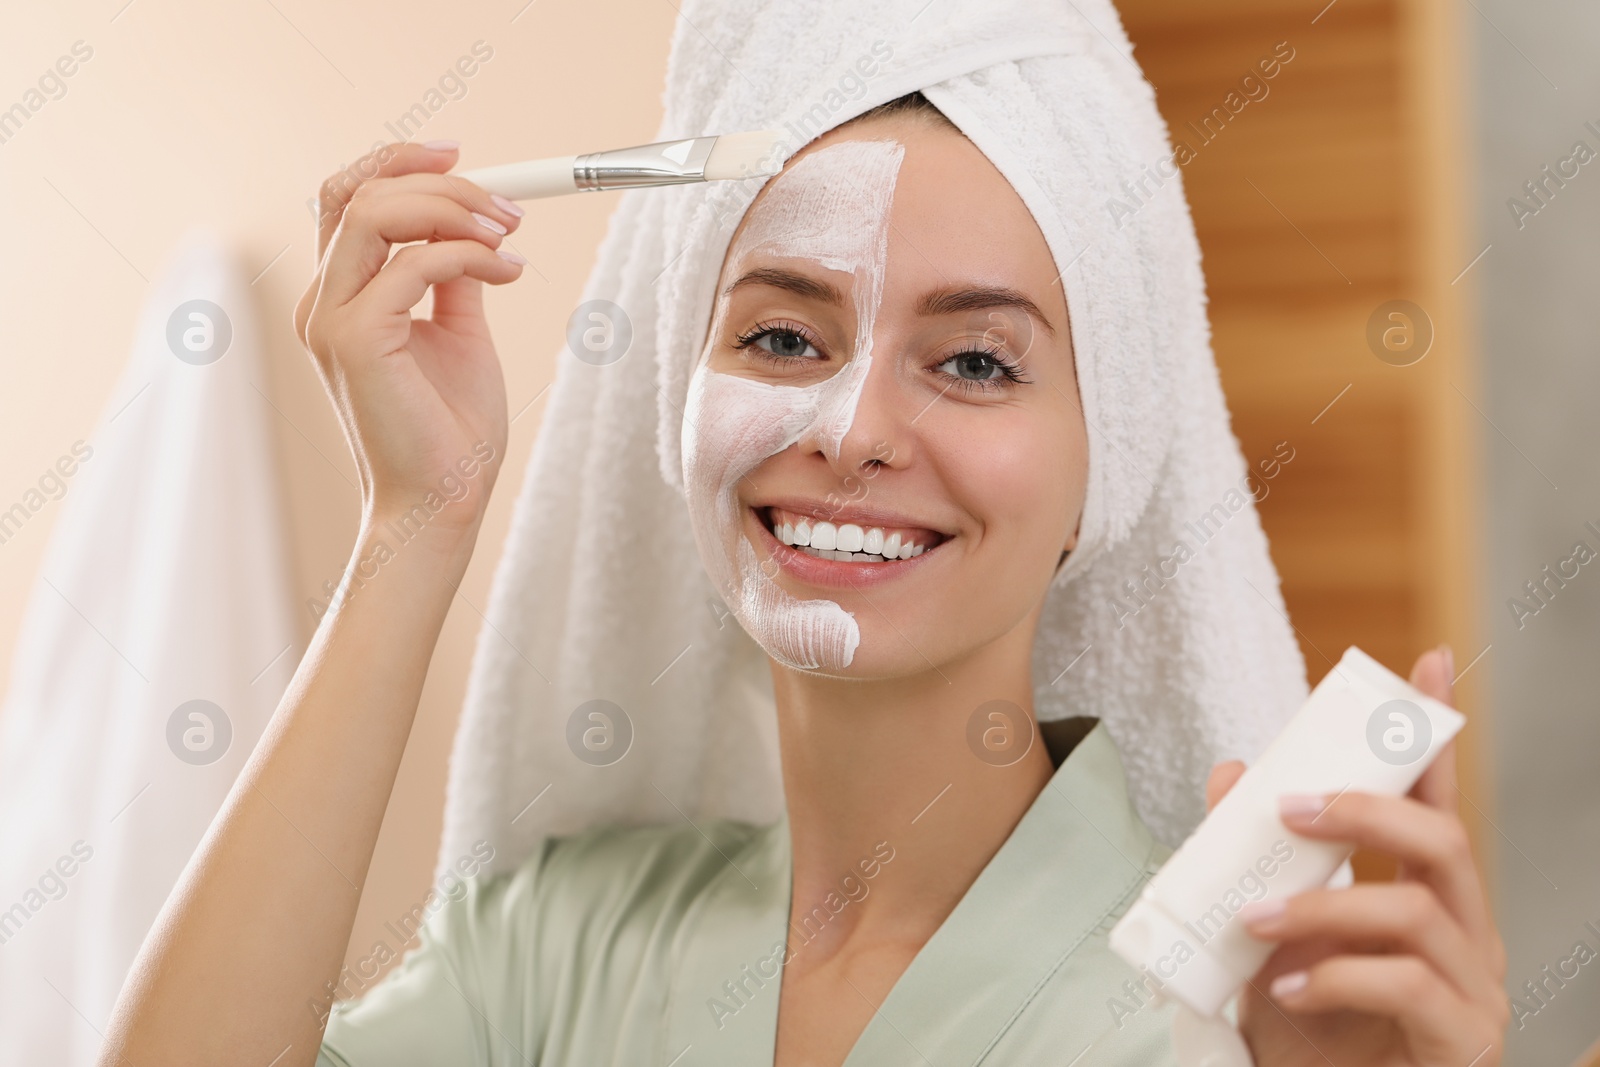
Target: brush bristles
[(744, 155)]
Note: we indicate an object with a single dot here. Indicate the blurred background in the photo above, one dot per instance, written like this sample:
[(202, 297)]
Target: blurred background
[(1398, 225)]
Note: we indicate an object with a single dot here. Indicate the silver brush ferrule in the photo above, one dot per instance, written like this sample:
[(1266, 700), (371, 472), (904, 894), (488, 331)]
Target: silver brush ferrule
[(663, 163)]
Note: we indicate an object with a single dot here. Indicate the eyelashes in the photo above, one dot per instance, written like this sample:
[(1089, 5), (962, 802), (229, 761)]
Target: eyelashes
[(1010, 375)]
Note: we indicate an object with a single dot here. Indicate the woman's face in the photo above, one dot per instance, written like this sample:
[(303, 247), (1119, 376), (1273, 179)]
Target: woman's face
[(888, 373)]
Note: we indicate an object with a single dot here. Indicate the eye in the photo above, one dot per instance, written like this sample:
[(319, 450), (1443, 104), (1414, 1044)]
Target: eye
[(783, 343), (779, 343), (981, 369), (974, 366)]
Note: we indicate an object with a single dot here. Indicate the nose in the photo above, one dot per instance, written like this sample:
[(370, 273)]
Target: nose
[(864, 424)]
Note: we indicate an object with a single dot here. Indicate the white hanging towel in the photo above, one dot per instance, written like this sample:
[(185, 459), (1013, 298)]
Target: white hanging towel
[(158, 639)]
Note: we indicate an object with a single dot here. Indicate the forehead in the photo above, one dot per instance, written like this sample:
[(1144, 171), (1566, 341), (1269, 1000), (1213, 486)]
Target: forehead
[(941, 208), (831, 205)]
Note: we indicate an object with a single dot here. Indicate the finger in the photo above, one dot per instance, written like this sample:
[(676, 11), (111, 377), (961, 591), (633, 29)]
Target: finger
[(391, 160), (400, 285), (453, 186), (1439, 1025), (1393, 916), (1432, 844), (374, 223), (458, 306), (1222, 778), (1437, 786), (335, 193), (371, 253), (1432, 674)]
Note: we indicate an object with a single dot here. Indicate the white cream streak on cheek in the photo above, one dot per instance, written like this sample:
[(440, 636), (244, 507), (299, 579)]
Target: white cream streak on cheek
[(741, 423), (831, 207)]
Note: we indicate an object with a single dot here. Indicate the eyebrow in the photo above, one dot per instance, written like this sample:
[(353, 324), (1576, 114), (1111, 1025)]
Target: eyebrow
[(946, 301)]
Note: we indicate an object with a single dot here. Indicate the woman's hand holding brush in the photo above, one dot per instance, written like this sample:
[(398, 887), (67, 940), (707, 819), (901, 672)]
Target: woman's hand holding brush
[(421, 399)]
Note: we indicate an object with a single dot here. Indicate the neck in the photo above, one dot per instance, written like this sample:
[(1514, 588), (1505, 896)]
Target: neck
[(892, 814)]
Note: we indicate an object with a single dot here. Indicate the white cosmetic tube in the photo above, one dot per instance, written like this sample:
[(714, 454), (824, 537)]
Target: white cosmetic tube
[(1363, 729)]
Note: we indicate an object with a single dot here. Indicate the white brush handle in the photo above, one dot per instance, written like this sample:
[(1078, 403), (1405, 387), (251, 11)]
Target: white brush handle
[(531, 179)]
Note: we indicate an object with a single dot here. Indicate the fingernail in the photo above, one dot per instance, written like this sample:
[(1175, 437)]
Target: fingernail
[(505, 205), (489, 224), (1261, 910), (441, 146), (1449, 662), (1287, 985), (510, 257), (1297, 804)]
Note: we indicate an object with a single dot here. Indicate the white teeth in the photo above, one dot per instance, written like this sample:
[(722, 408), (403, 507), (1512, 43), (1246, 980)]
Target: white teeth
[(860, 557), (843, 557), (846, 541)]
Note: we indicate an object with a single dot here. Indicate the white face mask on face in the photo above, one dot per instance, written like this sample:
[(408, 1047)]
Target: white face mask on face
[(830, 207)]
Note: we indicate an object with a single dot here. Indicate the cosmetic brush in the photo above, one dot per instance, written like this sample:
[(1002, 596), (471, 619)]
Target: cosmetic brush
[(698, 159)]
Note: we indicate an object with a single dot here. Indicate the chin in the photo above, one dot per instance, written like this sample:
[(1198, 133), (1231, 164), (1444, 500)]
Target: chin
[(882, 656)]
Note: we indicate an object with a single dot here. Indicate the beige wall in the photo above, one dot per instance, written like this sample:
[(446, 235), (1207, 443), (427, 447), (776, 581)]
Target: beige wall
[(230, 116)]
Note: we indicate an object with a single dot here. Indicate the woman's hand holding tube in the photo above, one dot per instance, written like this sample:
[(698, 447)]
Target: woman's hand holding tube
[(418, 398), (1407, 973)]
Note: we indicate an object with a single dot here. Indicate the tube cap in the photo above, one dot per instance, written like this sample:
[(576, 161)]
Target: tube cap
[(1159, 945), (1201, 1041)]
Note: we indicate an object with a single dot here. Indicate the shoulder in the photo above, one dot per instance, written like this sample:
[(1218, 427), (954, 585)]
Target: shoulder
[(625, 863), (497, 953), (582, 890)]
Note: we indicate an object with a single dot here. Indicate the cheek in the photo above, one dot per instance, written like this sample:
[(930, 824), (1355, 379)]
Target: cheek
[(726, 433), (731, 426), (1022, 482)]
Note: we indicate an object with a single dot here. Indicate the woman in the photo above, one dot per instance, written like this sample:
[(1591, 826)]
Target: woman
[(940, 886)]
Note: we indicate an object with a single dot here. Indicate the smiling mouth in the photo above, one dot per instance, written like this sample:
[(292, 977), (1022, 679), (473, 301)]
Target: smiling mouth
[(847, 542)]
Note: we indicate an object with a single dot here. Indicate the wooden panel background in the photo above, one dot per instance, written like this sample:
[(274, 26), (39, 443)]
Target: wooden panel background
[(1339, 190)]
